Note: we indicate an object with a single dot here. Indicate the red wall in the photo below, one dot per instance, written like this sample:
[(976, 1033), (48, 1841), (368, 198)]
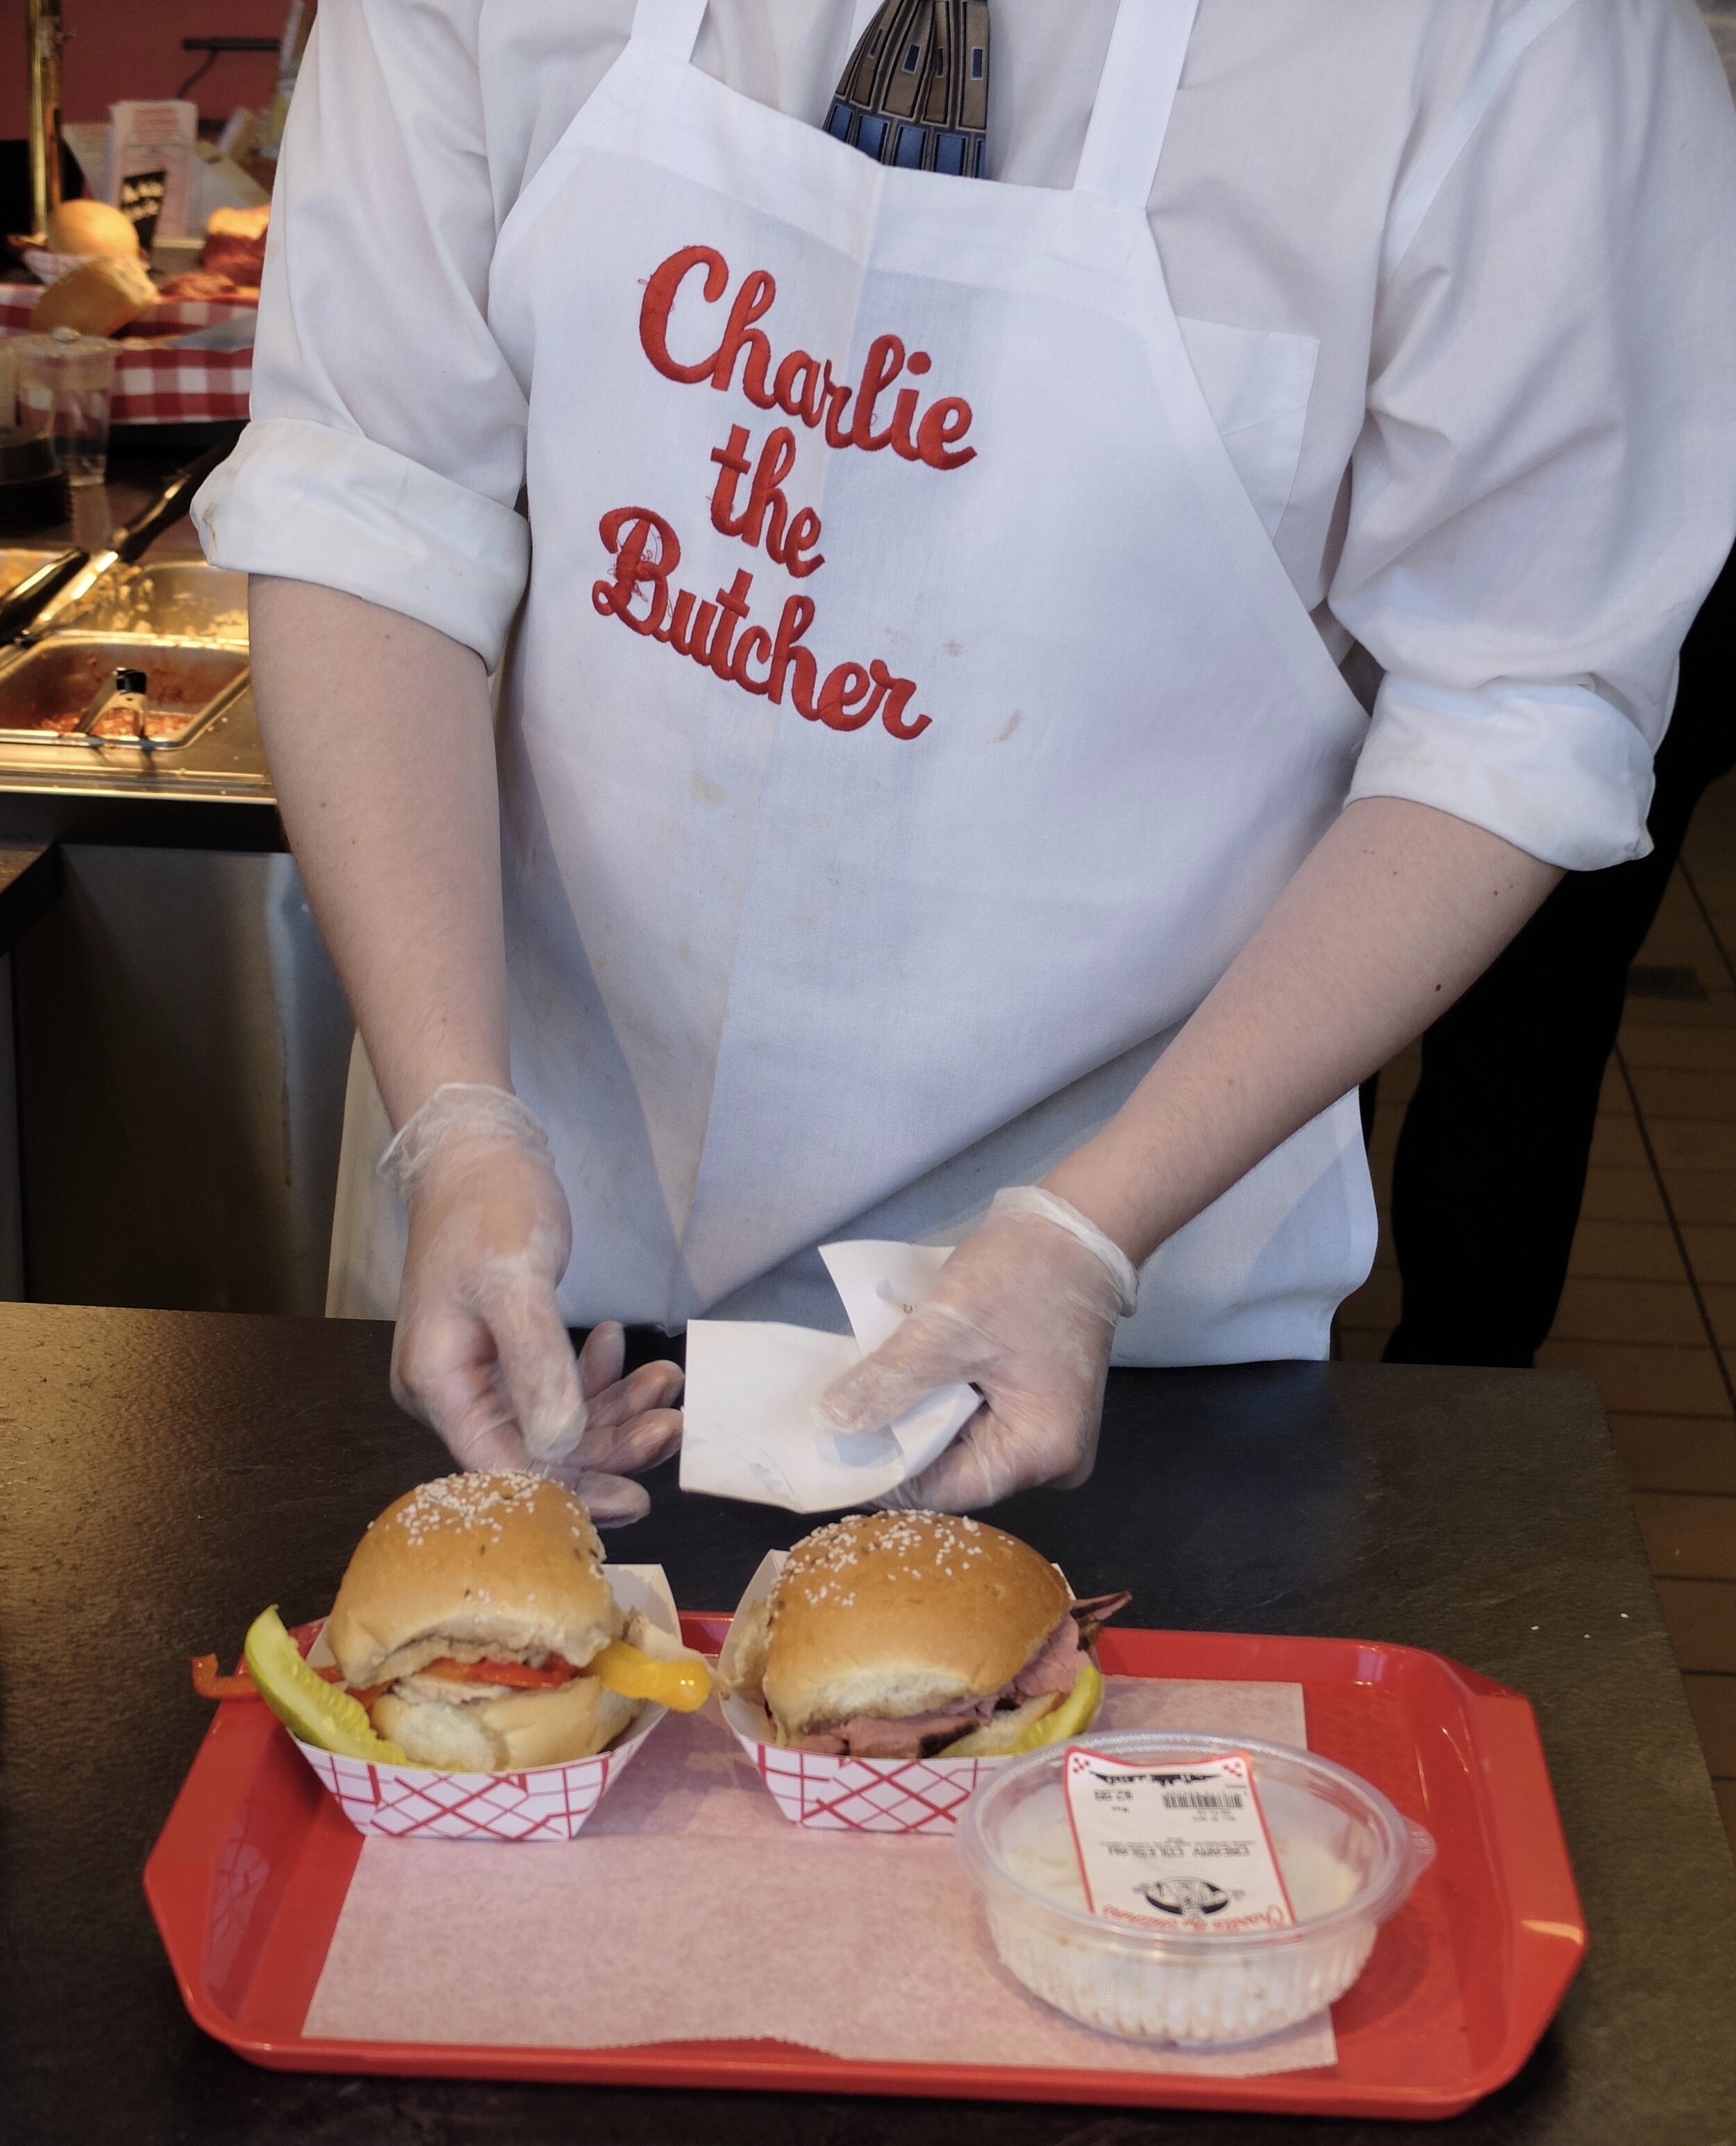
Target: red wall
[(121, 48)]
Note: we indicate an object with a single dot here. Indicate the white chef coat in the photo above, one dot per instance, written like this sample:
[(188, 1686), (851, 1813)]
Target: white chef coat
[(1387, 226), (1463, 304)]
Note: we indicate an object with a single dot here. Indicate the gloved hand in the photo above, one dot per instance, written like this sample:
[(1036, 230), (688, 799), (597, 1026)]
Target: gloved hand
[(1025, 1310), (481, 1353)]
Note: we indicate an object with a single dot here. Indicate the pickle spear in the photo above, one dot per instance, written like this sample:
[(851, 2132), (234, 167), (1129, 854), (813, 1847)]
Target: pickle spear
[(316, 1712)]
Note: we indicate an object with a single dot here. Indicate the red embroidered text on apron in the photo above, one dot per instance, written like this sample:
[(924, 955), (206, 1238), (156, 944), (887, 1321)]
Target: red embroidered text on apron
[(647, 550)]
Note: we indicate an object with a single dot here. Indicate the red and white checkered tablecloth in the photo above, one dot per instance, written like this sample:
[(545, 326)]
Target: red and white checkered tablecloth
[(158, 385)]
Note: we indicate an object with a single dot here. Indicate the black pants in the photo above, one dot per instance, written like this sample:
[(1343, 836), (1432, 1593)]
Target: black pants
[(1491, 1161)]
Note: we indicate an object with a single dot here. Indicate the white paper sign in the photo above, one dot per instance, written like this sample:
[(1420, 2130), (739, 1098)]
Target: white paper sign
[(1180, 1847), (152, 144), (752, 1423)]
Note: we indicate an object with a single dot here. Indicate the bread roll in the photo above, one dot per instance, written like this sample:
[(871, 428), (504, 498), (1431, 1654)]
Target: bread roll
[(97, 299), (242, 223), (235, 244), (91, 228)]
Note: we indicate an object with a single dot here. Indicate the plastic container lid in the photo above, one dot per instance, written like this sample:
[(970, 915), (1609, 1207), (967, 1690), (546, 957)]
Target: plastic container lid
[(65, 359), (1349, 1861)]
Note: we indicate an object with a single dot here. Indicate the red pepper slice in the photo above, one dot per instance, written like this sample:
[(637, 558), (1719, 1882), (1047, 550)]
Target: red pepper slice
[(519, 1676), (209, 1685)]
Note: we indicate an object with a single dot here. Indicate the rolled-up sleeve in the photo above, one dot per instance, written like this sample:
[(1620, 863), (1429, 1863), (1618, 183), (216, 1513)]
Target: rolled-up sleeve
[(385, 453), (1545, 485)]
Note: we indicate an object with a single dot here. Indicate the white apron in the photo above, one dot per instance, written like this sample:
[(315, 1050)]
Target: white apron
[(908, 719)]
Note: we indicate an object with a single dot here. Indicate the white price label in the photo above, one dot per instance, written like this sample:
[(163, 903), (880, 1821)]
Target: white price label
[(1179, 1847)]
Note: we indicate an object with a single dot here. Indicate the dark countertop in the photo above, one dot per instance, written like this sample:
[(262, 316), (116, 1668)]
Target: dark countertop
[(163, 1474), (29, 880)]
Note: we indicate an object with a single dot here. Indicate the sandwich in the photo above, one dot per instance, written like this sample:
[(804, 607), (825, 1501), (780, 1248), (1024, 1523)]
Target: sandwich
[(477, 1627), (907, 1635)]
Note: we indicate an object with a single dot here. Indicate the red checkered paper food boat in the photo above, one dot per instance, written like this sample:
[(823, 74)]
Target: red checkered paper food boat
[(544, 1803), (864, 1795), (838, 1794), (412, 1803)]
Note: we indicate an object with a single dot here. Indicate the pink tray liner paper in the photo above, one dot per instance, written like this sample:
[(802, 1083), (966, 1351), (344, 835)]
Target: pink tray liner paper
[(692, 1910)]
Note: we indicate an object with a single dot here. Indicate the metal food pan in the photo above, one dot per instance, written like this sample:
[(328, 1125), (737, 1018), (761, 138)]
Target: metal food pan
[(44, 691), (181, 599)]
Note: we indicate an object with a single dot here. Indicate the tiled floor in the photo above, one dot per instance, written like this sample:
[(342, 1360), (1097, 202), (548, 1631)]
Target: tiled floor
[(1650, 1304)]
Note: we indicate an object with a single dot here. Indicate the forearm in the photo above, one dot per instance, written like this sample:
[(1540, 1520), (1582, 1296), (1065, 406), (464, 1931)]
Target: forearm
[(1396, 912), (381, 742)]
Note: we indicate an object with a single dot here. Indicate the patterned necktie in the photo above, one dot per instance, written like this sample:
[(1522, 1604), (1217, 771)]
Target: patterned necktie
[(916, 90)]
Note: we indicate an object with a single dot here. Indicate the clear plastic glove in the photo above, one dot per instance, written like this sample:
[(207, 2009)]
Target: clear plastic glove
[(481, 1353), (1026, 1310)]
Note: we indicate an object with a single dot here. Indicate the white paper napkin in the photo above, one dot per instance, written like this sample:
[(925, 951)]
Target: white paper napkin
[(753, 1428)]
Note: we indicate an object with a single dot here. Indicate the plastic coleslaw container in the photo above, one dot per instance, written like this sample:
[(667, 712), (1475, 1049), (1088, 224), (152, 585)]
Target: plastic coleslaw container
[(1349, 1862)]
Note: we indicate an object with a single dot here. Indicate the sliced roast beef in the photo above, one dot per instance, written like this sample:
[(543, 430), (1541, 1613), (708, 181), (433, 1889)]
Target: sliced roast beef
[(1095, 1612), (1055, 1667), (918, 1735)]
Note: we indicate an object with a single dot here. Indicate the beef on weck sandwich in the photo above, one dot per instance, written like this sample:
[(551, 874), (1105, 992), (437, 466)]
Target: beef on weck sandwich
[(904, 1636), (476, 1624)]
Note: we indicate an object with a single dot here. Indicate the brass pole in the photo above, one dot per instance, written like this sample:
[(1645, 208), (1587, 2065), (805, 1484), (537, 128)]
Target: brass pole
[(46, 34)]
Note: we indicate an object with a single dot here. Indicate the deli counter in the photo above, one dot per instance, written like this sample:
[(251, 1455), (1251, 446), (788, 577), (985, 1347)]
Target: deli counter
[(172, 1100)]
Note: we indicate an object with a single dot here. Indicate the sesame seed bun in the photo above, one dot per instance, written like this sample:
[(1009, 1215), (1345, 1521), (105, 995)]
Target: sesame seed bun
[(892, 1614), (489, 1565)]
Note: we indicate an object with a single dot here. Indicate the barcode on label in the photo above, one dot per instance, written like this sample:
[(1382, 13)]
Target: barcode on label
[(1195, 1800)]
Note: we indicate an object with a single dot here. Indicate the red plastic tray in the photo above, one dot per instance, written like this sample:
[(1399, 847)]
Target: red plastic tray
[(249, 1875)]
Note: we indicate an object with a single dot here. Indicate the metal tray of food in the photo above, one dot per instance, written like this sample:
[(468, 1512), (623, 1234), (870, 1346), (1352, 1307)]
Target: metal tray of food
[(46, 690), (177, 599)]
